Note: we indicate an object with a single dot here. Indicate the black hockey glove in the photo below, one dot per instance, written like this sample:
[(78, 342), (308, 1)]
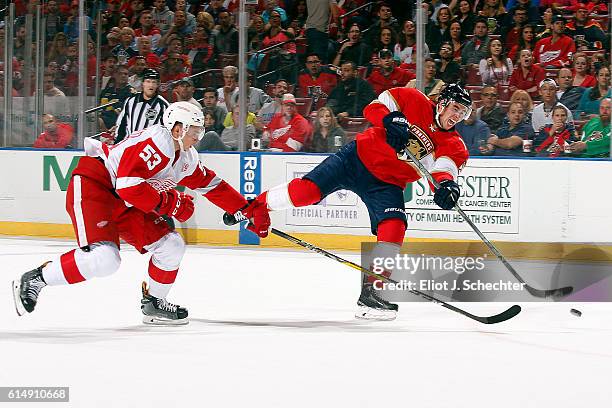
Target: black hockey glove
[(396, 126), (447, 194)]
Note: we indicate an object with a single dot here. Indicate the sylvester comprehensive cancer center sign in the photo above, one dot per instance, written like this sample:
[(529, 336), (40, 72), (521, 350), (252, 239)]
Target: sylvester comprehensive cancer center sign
[(489, 196)]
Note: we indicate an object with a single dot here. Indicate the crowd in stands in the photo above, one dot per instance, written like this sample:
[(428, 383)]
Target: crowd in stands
[(538, 70)]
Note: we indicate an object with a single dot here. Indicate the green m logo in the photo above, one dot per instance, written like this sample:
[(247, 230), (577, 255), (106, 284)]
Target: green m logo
[(50, 164), (408, 193)]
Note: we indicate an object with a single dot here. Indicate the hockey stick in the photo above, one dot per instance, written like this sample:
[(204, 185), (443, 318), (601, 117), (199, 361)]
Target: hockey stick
[(230, 219), (555, 293)]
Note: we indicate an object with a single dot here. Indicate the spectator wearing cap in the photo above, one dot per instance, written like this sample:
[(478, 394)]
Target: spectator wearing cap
[(271, 6), (162, 15), (173, 69), (556, 50), (183, 92), (584, 30), (117, 91), (351, 95), (568, 94), (148, 28), (526, 75), (476, 49), (431, 85), (591, 98), (288, 131), (542, 113), (353, 49), (56, 135), (490, 112), (595, 141), (447, 69), (316, 81), (387, 75), (142, 110)]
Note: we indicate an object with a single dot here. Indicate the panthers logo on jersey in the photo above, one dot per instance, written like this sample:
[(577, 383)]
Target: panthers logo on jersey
[(419, 144)]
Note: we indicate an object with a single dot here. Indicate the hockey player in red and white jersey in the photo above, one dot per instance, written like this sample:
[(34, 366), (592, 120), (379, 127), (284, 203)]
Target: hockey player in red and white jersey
[(375, 168), (122, 191)]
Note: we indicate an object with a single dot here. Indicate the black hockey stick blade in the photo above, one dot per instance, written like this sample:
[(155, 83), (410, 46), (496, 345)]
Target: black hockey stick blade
[(503, 316)]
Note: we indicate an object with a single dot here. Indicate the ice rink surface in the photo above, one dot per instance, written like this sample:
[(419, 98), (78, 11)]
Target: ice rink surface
[(276, 329)]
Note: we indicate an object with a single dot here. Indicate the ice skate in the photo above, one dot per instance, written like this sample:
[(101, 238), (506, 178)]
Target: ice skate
[(159, 311), (372, 307), (26, 290)]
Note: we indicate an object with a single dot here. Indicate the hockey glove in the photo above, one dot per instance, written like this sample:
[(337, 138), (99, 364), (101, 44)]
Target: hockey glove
[(396, 126), (447, 194), (258, 215), (176, 204)]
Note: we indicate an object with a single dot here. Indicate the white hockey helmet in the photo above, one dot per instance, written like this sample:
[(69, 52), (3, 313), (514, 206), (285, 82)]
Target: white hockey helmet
[(186, 114)]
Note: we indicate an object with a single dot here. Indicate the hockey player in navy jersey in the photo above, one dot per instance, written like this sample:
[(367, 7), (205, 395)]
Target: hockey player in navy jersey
[(374, 168)]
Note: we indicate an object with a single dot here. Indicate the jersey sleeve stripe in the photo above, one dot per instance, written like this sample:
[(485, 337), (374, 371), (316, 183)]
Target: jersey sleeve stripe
[(212, 185), (389, 101), (125, 182), (294, 144), (446, 165)]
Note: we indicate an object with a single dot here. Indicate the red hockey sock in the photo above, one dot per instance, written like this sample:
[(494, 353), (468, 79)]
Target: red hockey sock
[(391, 230), (303, 192)]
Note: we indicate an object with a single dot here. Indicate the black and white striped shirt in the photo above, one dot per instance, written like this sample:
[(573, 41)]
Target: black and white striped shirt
[(138, 114)]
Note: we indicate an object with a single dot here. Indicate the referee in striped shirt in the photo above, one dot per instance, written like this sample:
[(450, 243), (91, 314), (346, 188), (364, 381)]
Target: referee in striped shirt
[(142, 110)]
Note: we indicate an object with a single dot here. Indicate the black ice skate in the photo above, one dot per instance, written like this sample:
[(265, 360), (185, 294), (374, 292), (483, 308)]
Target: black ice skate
[(159, 311), (26, 290), (373, 307)]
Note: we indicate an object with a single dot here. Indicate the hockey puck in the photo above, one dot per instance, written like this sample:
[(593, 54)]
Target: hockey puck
[(576, 312)]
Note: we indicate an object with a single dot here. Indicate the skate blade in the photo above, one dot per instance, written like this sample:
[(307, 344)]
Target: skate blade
[(158, 321), (17, 298), (368, 313)]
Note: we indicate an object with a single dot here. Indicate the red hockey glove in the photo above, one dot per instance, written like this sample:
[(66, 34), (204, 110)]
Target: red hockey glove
[(258, 215), (177, 205)]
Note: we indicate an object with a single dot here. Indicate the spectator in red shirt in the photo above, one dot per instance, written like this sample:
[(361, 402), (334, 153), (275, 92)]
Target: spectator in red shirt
[(557, 49), (387, 75), (526, 75), (581, 65), (288, 131), (144, 50), (56, 135), (148, 28), (314, 80)]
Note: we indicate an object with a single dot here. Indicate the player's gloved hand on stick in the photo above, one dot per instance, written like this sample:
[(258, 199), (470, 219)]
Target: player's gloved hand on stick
[(396, 126), (258, 215), (447, 194), (176, 204)]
